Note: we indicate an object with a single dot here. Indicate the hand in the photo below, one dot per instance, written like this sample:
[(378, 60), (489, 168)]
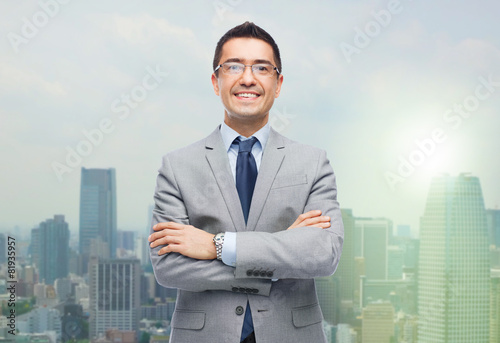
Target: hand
[(311, 218), (183, 239)]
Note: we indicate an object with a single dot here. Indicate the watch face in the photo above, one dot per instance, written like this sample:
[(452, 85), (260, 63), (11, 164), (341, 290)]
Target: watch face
[(219, 238)]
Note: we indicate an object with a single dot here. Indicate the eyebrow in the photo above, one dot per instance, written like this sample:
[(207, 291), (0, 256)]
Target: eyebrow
[(239, 60)]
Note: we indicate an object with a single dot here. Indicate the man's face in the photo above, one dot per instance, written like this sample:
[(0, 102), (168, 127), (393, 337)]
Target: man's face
[(246, 97)]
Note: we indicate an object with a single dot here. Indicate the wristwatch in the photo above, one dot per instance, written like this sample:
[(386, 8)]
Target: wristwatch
[(219, 241)]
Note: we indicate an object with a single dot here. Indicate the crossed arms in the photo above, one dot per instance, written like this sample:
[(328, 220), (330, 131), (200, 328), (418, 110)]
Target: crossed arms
[(183, 256)]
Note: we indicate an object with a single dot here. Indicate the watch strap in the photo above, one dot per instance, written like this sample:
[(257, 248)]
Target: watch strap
[(219, 242)]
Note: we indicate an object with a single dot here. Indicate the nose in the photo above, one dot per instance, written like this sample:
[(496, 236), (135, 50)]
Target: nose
[(247, 77)]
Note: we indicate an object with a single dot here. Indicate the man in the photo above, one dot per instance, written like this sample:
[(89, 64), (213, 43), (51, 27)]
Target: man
[(245, 218)]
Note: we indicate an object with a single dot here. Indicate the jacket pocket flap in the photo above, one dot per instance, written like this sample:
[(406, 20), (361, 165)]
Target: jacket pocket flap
[(289, 180), (307, 315), (194, 320)]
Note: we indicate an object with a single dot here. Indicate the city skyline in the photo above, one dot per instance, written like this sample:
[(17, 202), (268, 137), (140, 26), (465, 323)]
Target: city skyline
[(141, 230), (373, 295), (394, 95)]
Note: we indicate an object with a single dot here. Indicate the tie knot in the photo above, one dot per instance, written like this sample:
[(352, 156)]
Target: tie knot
[(246, 145)]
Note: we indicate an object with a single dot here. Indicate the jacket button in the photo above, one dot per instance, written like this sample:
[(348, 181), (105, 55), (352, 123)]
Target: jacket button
[(235, 289), (255, 290), (263, 273), (249, 272), (269, 274), (256, 273), (240, 310)]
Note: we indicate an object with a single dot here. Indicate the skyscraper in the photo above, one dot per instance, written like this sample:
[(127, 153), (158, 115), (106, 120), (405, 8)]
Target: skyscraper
[(52, 245), (495, 306), (345, 269), (3, 248), (371, 239), (493, 222), (34, 248), (395, 262), (454, 274), (114, 287), (378, 323), (97, 209)]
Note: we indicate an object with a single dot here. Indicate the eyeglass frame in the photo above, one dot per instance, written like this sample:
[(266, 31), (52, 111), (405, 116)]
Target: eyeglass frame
[(247, 65)]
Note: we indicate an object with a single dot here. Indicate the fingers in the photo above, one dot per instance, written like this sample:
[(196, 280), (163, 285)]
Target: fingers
[(168, 225), (168, 249), (304, 216), (312, 218), (165, 236), (324, 225), (316, 220), (163, 229), (308, 215)]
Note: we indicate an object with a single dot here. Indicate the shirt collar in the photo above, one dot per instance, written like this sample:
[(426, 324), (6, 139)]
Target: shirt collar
[(229, 135)]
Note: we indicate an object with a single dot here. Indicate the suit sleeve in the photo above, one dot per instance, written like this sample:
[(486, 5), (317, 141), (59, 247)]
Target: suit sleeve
[(174, 270), (299, 253)]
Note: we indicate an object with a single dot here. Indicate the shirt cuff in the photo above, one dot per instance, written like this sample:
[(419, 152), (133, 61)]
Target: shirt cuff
[(229, 249)]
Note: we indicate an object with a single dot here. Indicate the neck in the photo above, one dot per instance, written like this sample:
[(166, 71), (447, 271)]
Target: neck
[(247, 128)]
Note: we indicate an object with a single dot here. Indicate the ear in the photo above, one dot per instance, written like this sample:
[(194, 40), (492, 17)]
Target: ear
[(278, 87), (215, 83)]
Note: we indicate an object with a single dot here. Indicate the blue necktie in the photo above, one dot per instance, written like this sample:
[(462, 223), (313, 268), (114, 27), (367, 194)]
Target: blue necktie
[(246, 175)]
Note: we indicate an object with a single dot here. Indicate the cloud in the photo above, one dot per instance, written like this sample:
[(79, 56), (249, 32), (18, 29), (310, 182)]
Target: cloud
[(143, 29), (15, 80)]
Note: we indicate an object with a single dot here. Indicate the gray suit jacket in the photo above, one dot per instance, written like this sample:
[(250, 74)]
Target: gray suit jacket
[(195, 186)]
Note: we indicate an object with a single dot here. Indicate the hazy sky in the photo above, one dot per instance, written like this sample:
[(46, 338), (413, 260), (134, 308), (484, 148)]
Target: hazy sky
[(400, 88)]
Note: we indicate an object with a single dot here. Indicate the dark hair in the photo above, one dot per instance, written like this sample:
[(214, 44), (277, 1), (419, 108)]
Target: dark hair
[(247, 30)]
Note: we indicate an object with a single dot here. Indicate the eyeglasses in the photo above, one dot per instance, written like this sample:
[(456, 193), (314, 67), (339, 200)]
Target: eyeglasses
[(259, 69)]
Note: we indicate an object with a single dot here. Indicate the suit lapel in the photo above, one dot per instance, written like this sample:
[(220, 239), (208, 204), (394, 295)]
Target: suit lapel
[(272, 158), (219, 164)]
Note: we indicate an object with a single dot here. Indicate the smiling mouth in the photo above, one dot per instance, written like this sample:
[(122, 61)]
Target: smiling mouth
[(247, 95)]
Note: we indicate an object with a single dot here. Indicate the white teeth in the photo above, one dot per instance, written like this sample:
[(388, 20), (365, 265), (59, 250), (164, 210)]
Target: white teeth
[(247, 95)]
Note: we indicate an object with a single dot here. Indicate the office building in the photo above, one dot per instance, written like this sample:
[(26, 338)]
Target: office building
[(34, 248), (40, 320), (345, 334), (495, 306), (406, 328), (114, 287), (454, 273), (51, 247), (97, 210), (371, 239), (345, 269), (378, 323), (395, 262), (63, 288), (125, 240), (402, 294), (493, 222), (3, 248), (404, 231), (359, 276)]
